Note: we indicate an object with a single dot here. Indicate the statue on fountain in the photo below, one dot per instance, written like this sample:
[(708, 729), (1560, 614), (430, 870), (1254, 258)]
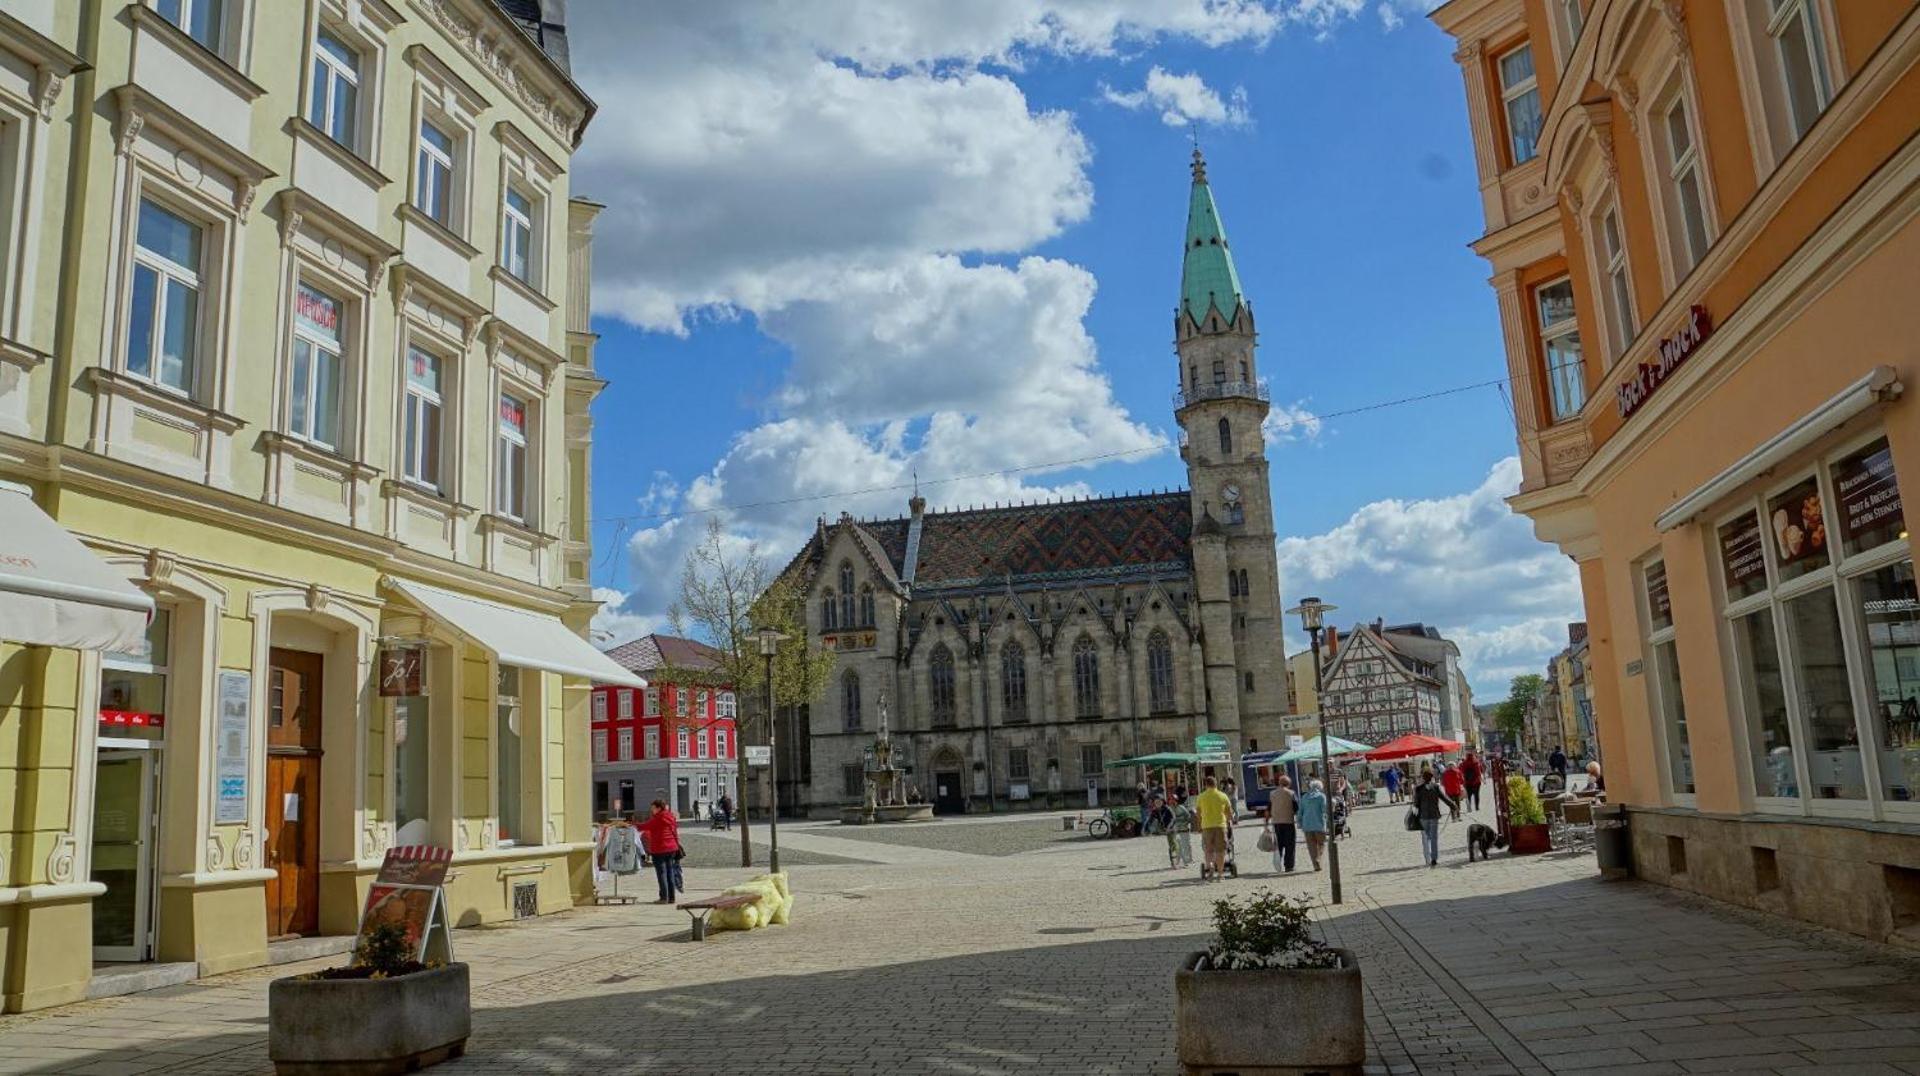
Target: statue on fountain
[(885, 799)]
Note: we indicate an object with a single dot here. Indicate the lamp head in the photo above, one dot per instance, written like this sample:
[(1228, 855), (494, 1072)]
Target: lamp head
[(1312, 613), (768, 639)]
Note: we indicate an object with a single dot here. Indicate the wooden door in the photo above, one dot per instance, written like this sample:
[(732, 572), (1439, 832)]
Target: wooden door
[(293, 791)]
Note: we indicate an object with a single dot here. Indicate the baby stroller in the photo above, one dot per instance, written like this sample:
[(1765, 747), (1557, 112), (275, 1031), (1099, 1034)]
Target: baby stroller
[(1231, 868)]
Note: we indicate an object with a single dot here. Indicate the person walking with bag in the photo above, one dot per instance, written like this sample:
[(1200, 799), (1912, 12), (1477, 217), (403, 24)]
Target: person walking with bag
[(661, 833), (1427, 798), (1310, 814), (1283, 809), (1454, 784), (1472, 774)]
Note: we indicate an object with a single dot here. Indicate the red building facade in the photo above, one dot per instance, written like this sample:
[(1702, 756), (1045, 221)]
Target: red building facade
[(674, 740)]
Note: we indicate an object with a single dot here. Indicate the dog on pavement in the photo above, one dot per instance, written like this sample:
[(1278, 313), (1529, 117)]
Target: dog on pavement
[(1482, 837)]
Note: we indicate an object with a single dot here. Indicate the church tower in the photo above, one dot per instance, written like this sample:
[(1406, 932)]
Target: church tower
[(1220, 407)]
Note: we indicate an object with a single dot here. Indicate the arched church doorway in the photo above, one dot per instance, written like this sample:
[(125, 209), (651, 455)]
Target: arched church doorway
[(949, 796)]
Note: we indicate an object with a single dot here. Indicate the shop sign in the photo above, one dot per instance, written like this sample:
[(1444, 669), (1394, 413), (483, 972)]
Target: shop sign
[(132, 719), (1742, 556), (1870, 508), (231, 732), (762, 755), (1647, 378), (402, 671), (317, 312)]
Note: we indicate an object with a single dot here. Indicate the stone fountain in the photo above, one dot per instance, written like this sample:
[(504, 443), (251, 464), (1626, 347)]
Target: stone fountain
[(886, 799)]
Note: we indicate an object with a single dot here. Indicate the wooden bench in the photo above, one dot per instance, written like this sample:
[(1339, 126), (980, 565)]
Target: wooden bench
[(698, 909)]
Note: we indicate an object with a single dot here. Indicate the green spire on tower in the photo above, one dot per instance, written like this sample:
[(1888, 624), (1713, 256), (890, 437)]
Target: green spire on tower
[(1207, 278)]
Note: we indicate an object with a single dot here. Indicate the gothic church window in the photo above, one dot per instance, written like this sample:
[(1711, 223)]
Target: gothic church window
[(940, 682), (1219, 371), (866, 607), (1013, 682), (846, 594), (1249, 681), (1086, 678), (1226, 437), (850, 700), (1233, 584), (1160, 671), (829, 611)]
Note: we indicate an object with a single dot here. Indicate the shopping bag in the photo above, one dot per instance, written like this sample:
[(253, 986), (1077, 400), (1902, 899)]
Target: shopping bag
[(1265, 843), (1413, 820)]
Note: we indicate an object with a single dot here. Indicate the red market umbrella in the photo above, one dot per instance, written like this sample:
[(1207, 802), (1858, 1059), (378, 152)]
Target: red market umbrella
[(1410, 746)]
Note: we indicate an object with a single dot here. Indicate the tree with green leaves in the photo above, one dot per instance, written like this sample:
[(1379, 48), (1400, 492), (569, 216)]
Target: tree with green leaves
[(1511, 715), (725, 596)]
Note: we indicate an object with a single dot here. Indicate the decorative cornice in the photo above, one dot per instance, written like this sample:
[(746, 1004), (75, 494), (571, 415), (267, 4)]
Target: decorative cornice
[(1674, 13), (1468, 54), (1628, 93), (1600, 122), (494, 52)]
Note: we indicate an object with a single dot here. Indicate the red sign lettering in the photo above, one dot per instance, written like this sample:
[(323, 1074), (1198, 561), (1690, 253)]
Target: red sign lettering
[(1647, 378)]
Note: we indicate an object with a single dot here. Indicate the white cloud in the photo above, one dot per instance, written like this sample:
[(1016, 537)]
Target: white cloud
[(1464, 563), (612, 625), (1290, 422), (1389, 18), (1182, 100)]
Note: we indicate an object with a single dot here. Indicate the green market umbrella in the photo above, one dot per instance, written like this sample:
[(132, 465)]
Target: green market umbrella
[(1158, 760)]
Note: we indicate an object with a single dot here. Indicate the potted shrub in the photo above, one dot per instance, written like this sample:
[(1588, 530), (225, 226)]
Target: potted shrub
[(383, 1012), (1268, 996), (1527, 832)]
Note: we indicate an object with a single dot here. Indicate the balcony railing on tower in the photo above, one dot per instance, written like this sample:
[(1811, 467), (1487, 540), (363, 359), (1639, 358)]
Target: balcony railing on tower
[(1252, 390)]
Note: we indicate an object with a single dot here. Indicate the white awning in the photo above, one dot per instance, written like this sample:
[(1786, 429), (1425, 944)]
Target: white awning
[(55, 591), (517, 637)]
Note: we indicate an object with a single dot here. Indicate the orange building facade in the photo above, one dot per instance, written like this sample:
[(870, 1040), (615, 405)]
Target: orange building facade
[(1701, 220)]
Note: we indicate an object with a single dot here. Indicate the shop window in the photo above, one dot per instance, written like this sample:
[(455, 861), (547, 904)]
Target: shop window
[(1520, 97), (133, 685), (1797, 523), (413, 748), (1669, 702), (1890, 609), (1820, 674), (507, 722), (1560, 347)]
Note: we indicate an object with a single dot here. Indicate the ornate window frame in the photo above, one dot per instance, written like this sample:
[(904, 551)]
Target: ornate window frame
[(1769, 124), (444, 99)]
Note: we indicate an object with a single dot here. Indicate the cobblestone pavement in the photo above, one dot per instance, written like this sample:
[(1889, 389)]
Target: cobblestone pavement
[(940, 959)]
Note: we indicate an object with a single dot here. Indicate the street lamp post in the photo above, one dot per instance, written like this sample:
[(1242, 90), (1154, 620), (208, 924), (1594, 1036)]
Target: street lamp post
[(769, 641), (1313, 613)]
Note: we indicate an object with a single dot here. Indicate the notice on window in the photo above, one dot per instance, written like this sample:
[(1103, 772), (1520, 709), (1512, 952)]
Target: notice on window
[(1659, 602), (230, 747), (1799, 529), (1743, 557), (1870, 509)]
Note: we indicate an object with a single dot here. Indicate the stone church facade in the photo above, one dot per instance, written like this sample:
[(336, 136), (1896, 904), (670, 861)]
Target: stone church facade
[(1018, 649)]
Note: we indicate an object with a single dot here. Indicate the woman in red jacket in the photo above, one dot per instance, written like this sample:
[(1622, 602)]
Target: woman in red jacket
[(661, 835), (1455, 786)]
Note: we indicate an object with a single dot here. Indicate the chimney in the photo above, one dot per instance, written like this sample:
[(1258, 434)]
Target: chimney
[(1379, 625)]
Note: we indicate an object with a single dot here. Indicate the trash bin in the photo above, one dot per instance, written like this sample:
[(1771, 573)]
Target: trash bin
[(1612, 841), (1067, 823)]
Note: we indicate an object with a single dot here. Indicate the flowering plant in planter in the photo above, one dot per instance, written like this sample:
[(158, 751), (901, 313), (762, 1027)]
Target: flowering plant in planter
[(1266, 931), (1526, 819)]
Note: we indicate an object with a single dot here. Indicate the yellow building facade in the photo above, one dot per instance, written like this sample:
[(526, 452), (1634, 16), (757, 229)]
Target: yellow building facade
[(1701, 219), (294, 337)]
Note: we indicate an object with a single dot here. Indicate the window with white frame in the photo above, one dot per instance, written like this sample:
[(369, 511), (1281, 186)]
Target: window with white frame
[(626, 704), (1560, 349), (599, 706), (333, 99), (133, 684), (681, 696), (1685, 187), (1520, 98), (517, 234), (680, 744), (433, 179), (720, 743), (700, 705), (421, 419), (1571, 20), (653, 702), (1818, 583), (700, 743), (1800, 49), (1666, 702), (1618, 280), (510, 488), (164, 308), (652, 743), (600, 746), (313, 385), (626, 745), (729, 706), (201, 19)]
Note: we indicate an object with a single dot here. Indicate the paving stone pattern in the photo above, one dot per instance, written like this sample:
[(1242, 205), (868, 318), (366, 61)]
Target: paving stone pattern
[(990, 947)]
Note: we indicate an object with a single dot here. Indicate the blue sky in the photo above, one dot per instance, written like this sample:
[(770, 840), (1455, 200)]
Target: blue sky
[(859, 240)]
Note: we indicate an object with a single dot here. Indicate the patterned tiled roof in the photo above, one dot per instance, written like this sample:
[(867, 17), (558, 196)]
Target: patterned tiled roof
[(650, 652), (1064, 542)]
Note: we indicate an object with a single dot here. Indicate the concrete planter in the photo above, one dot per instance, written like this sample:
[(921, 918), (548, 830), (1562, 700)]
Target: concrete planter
[(1269, 1023), (370, 1026), (1529, 840)]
